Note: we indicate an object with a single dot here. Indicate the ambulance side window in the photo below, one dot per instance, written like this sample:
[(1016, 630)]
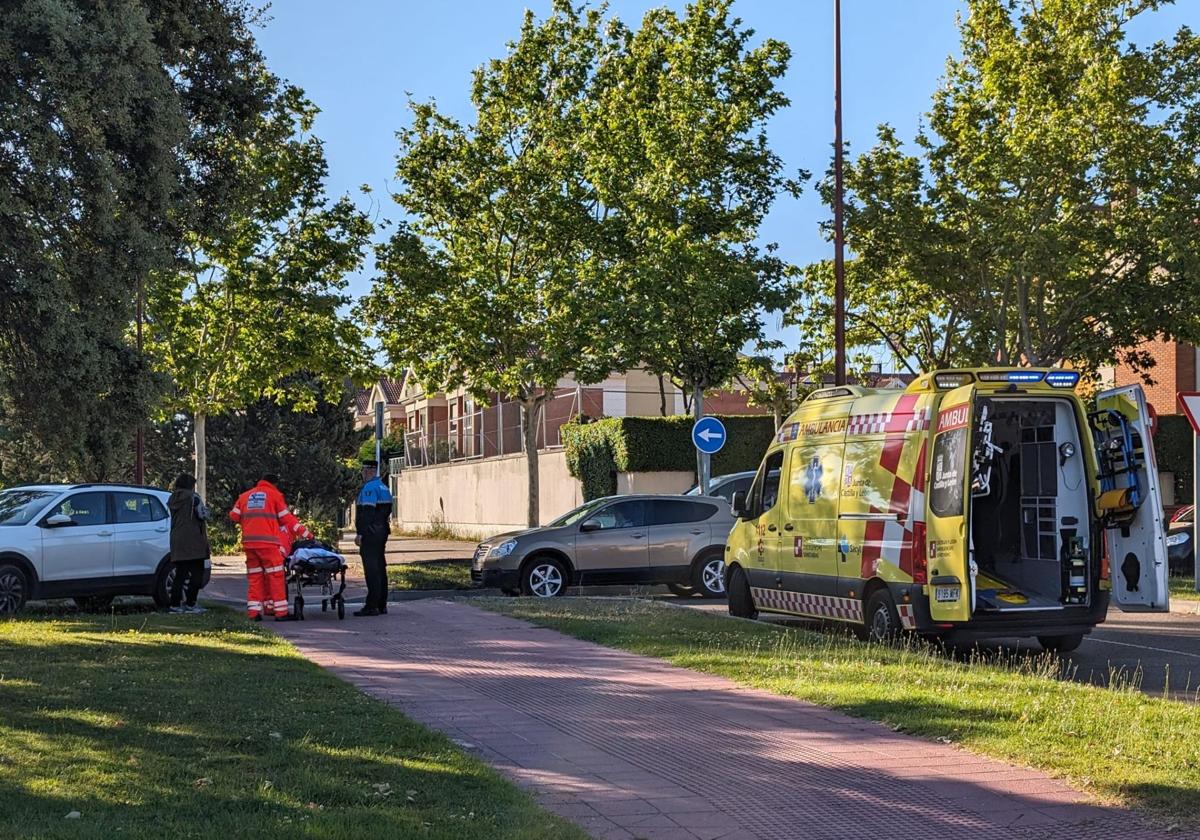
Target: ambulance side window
[(765, 492), (949, 463)]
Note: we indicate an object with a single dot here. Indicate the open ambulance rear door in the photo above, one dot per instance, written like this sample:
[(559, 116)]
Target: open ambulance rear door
[(1135, 536), (951, 588)]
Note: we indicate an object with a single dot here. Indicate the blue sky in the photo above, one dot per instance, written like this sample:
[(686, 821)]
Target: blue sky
[(359, 59)]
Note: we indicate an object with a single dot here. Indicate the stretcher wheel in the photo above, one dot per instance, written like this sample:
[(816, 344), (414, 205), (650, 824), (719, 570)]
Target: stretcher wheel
[(341, 607), (298, 606)]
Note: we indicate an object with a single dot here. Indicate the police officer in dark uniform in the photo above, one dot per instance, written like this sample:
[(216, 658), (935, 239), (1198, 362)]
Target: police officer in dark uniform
[(372, 522)]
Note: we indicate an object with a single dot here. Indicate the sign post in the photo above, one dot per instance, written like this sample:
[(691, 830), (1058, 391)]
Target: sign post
[(708, 436), (378, 436), (1191, 407)]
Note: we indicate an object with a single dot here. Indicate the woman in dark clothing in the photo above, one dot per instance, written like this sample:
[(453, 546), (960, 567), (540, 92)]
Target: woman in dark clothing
[(189, 543)]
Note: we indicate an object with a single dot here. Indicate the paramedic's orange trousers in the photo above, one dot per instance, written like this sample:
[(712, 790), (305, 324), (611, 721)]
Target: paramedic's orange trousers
[(266, 589)]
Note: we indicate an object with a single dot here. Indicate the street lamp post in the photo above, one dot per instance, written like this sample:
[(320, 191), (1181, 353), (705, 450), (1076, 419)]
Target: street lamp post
[(139, 440), (839, 236)]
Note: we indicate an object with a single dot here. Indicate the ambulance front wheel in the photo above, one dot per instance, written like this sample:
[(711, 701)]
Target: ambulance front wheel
[(882, 620), (741, 602), (1061, 644)]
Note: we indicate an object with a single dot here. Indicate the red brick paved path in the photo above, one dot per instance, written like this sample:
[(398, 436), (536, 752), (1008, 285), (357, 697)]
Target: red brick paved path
[(627, 746)]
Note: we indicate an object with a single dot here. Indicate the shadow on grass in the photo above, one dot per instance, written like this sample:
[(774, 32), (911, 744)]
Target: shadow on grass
[(203, 726)]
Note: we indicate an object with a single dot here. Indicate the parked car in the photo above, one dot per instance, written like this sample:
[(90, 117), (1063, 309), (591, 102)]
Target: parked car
[(1181, 553), (639, 539), (724, 486), (89, 542)]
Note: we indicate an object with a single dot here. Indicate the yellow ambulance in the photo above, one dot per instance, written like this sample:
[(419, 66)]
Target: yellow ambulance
[(973, 503)]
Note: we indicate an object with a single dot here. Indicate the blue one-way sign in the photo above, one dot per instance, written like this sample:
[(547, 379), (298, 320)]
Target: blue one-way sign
[(708, 435)]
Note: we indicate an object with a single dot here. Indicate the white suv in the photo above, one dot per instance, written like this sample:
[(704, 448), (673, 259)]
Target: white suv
[(89, 542)]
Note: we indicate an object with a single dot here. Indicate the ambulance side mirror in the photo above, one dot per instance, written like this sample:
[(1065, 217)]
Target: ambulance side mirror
[(737, 504)]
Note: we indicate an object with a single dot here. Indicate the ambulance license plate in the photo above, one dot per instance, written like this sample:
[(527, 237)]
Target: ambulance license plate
[(945, 593)]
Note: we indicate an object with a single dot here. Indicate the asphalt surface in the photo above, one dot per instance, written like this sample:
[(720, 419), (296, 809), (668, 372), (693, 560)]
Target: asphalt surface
[(1155, 652)]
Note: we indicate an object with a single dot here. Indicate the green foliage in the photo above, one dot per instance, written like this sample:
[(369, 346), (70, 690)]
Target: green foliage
[(597, 451), (1049, 213), (111, 116), (259, 298), (392, 446), (308, 449), (1173, 442), (589, 449), (679, 153)]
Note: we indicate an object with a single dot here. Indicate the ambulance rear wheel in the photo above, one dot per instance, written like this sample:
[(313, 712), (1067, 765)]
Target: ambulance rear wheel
[(882, 620), (741, 602), (1061, 644)]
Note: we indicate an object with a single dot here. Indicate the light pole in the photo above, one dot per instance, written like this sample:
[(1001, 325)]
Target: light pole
[(139, 440), (839, 235)]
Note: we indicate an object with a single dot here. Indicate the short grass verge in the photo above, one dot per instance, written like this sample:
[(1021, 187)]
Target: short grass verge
[(154, 726), (1184, 589), (434, 574), (1117, 743)]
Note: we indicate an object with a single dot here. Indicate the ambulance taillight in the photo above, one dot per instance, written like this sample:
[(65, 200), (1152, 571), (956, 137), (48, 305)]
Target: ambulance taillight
[(920, 565)]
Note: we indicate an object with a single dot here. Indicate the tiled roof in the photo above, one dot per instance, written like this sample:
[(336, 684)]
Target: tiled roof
[(392, 389), (362, 400), (392, 392)]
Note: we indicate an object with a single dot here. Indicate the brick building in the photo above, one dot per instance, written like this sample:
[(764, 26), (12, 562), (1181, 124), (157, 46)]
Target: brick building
[(1175, 368)]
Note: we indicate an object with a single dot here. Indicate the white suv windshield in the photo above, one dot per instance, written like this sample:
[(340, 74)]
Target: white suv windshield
[(19, 507)]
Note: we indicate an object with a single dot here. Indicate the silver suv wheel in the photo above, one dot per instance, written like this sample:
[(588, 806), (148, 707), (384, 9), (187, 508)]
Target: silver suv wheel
[(545, 579), (712, 576)]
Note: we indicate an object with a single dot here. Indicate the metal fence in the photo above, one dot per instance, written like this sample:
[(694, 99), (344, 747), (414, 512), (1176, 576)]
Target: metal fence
[(487, 432)]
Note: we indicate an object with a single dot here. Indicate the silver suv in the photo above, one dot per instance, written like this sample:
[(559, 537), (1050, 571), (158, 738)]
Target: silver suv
[(670, 540), (89, 542)]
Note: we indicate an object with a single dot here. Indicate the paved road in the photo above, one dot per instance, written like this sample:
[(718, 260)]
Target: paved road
[(1152, 650), (631, 747)]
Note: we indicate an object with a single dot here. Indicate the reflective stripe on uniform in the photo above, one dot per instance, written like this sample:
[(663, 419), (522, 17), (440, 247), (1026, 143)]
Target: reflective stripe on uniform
[(272, 569), (253, 605), (282, 513), (254, 570), (236, 510)]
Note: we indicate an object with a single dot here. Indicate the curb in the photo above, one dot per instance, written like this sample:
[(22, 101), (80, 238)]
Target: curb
[(1182, 607)]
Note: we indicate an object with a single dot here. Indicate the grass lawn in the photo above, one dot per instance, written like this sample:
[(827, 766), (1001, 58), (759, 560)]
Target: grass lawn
[(435, 574), (155, 726), (1117, 743), (1184, 588)]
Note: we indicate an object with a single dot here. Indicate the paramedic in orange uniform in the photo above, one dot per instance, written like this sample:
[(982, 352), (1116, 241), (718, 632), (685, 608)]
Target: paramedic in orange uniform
[(261, 511)]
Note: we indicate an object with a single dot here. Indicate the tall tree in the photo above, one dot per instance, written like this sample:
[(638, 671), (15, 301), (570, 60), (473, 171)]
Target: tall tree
[(258, 297), (681, 159), (1050, 213), (500, 283), (109, 116), (309, 447)]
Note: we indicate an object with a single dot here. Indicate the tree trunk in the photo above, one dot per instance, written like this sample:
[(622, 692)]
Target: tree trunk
[(662, 396), (777, 415), (201, 455), (702, 462), (530, 410)]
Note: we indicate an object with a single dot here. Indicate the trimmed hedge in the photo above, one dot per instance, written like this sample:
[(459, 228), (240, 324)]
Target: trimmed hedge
[(597, 451), (1173, 450)]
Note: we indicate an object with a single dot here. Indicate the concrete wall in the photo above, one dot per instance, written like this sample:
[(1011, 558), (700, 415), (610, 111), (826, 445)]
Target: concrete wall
[(655, 482), (478, 499)]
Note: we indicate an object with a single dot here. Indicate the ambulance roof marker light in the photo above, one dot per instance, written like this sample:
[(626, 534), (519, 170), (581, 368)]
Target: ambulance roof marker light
[(1023, 377), (956, 379), (1062, 378)]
